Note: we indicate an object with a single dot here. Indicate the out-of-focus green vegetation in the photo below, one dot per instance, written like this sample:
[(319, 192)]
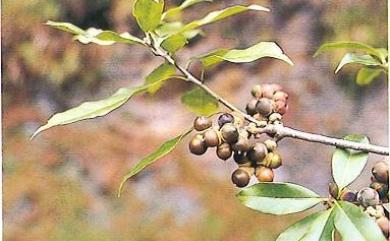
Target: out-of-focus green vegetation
[(62, 186)]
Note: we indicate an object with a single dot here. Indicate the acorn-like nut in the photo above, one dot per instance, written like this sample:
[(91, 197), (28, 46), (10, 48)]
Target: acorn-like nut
[(240, 158), (240, 177), (383, 223), (257, 91), (280, 107), (264, 174), (272, 160), (264, 106), (257, 152), (224, 151), (229, 133), (211, 138), (381, 171), (368, 197), (197, 145), (251, 107), (280, 95), (348, 195), (333, 190), (242, 144), (202, 123), (270, 144), (225, 118), (381, 188)]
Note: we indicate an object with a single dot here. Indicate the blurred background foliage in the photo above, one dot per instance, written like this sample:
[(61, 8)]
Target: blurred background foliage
[(62, 185)]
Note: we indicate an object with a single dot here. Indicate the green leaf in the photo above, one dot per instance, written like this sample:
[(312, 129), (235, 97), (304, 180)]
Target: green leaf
[(200, 102), (221, 14), (348, 164), (174, 43), (162, 151), (255, 52), (357, 59), (278, 198), (93, 35), (353, 224), (316, 227), (350, 45), (176, 10), (157, 76), (89, 110), (171, 28), (366, 75), (148, 13)]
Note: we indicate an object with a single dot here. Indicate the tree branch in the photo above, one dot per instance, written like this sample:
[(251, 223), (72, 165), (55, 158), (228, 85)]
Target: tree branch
[(278, 130)]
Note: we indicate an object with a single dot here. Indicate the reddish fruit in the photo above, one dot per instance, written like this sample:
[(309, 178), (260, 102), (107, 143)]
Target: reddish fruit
[(264, 174)]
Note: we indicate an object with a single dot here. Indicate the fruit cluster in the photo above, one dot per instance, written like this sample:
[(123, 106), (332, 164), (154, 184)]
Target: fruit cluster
[(268, 104), (371, 198), (231, 137)]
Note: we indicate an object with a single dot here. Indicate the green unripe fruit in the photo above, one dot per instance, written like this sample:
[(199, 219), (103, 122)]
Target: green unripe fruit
[(211, 138), (381, 188), (242, 144), (229, 133), (225, 118), (383, 223), (347, 195), (240, 177), (257, 152), (272, 160), (197, 145), (202, 123), (264, 174), (264, 106), (333, 190), (224, 151), (251, 107), (257, 91), (368, 197), (381, 171)]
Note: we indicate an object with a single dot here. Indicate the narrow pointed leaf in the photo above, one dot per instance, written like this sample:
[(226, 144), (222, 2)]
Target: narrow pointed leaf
[(357, 59), (162, 151), (177, 10), (148, 13), (350, 45), (89, 110), (366, 75), (200, 102), (353, 224), (315, 227), (221, 14), (93, 35), (255, 52), (278, 198), (158, 76), (171, 28), (348, 164)]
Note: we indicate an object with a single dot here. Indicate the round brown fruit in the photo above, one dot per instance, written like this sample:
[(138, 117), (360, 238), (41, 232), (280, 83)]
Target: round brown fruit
[(241, 145), (257, 91), (224, 151), (251, 107), (197, 145), (348, 195), (368, 197), (201, 123), (240, 158), (381, 171), (229, 133), (264, 106), (225, 118), (264, 174), (272, 160), (268, 90), (240, 177), (257, 152), (333, 189), (211, 138), (381, 188), (280, 107), (280, 95)]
